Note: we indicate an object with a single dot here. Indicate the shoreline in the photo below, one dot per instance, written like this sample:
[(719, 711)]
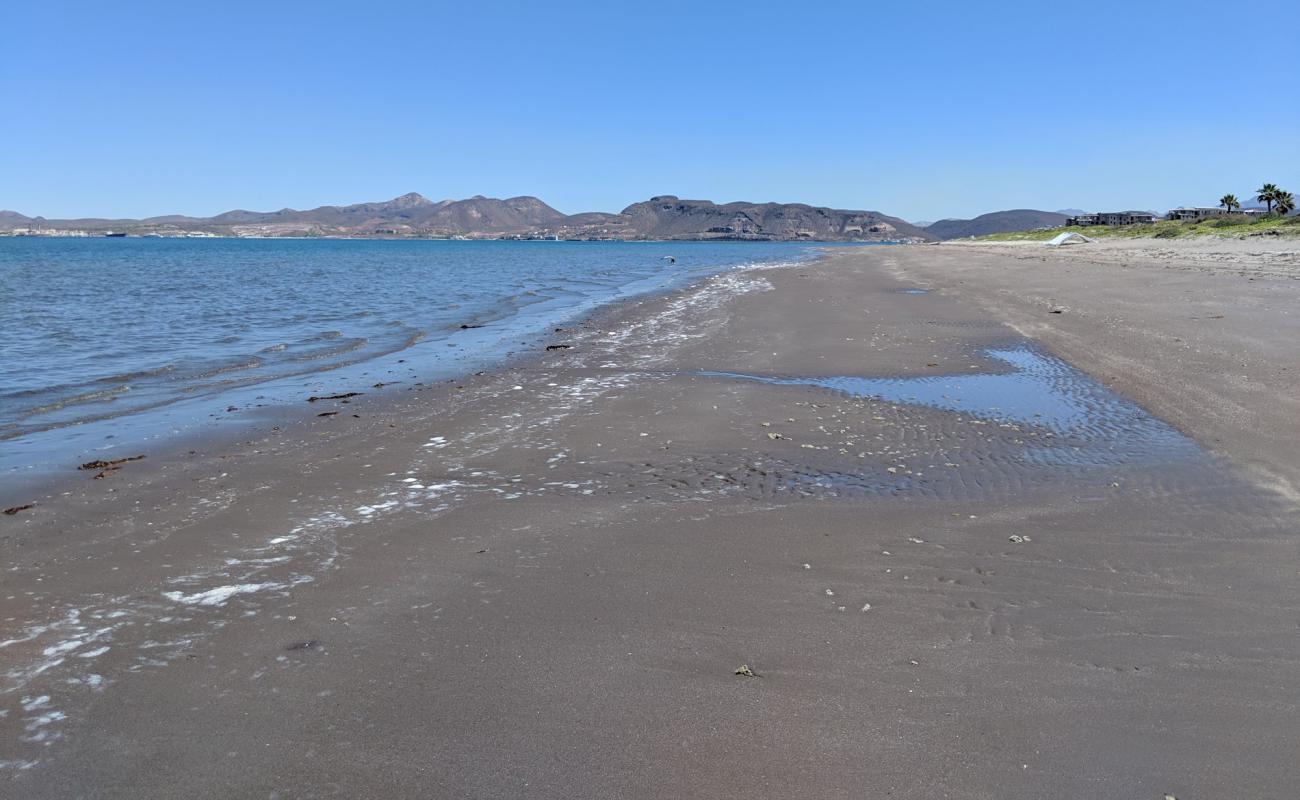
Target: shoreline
[(551, 575), (221, 418)]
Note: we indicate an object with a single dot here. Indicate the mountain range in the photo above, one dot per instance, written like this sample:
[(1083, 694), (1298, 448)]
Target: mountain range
[(663, 217)]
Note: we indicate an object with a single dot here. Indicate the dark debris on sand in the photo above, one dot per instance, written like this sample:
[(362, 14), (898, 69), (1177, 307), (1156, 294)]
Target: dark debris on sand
[(343, 396), (106, 468)]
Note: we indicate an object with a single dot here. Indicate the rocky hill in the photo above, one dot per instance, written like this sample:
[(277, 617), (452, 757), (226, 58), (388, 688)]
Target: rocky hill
[(1020, 219), (665, 217), (668, 217), (410, 213)]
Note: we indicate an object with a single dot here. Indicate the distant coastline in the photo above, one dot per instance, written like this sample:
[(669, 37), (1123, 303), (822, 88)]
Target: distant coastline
[(412, 216)]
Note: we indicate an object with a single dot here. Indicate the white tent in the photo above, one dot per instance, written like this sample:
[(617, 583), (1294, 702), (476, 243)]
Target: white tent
[(1068, 238)]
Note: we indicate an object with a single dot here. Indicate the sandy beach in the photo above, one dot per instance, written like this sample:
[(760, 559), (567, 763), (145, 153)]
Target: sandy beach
[(1200, 331), (978, 521)]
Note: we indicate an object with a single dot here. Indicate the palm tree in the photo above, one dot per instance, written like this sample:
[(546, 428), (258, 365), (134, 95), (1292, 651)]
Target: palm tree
[(1284, 202), (1229, 201), (1267, 194)]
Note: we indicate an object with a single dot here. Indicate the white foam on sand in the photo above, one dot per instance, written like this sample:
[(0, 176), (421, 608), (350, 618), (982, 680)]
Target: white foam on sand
[(17, 765), (219, 595), (67, 648), (679, 320)]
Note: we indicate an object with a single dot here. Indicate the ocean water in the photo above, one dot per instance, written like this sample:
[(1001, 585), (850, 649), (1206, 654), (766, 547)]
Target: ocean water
[(124, 333)]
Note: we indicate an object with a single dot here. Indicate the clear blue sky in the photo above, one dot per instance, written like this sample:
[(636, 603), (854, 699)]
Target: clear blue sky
[(918, 109)]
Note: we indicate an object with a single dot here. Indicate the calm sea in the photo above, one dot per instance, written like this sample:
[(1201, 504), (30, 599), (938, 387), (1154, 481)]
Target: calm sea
[(128, 333)]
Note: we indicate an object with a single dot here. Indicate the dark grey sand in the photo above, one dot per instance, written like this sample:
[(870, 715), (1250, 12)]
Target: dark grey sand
[(542, 584)]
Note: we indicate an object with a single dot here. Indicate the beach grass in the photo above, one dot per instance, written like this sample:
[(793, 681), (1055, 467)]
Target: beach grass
[(1228, 226)]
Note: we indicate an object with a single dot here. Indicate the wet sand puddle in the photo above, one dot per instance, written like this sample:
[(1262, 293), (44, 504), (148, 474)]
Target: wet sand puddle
[(993, 434), (1041, 394)]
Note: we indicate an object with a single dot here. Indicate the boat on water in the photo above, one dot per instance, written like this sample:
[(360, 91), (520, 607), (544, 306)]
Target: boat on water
[(114, 235)]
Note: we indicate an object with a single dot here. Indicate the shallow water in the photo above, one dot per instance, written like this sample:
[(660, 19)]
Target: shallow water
[(104, 329), (1038, 392)]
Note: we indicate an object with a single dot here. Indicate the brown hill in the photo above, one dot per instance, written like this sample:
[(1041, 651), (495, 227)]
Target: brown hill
[(1020, 219)]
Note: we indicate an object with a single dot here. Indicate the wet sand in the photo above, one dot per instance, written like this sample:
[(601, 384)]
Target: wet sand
[(969, 547)]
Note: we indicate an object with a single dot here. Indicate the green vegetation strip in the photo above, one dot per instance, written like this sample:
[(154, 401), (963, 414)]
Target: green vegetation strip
[(1231, 226)]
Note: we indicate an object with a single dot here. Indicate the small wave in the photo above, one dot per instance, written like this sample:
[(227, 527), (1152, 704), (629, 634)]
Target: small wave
[(347, 346), (252, 362), (85, 397), (24, 404), (275, 348)]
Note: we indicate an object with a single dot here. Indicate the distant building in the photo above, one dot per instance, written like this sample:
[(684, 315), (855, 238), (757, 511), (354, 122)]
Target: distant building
[(1111, 218), (48, 232), (1194, 213), (1126, 218)]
